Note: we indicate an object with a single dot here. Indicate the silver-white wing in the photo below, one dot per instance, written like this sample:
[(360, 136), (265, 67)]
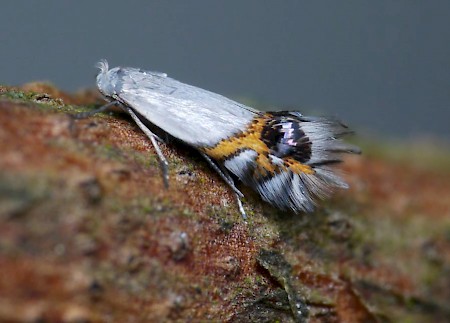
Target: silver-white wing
[(191, 114)]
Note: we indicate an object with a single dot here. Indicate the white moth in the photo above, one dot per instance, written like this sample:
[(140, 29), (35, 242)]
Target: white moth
[(284, 156)]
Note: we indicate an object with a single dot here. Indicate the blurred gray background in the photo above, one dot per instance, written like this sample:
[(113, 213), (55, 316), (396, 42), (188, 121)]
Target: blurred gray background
[(382, 66)]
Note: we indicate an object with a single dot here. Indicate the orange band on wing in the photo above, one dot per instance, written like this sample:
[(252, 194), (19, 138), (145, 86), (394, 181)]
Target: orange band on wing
[(297, 167), (251, 139)]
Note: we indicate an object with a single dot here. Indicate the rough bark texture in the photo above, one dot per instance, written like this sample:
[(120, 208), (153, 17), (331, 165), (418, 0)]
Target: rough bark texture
[(88, 233)]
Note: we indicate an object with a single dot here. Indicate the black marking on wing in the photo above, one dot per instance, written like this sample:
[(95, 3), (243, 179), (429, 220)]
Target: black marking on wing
[(285, 138)]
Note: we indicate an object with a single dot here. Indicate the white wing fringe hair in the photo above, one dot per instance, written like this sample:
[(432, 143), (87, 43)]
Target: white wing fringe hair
[(288, 190)]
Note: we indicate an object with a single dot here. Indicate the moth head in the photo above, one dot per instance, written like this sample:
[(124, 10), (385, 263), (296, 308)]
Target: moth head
[(103, 79), (103, 66)]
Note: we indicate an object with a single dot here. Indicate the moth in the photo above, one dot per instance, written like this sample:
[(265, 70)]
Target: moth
[(284, 156)]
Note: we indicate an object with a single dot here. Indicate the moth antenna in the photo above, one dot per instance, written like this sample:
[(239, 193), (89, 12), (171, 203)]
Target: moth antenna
[(103, 66)]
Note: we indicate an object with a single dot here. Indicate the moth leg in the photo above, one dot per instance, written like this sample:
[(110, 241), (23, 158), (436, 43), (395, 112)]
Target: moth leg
[(84, 115), (238, 196), (227, 178), (241, 207), (162, 160)]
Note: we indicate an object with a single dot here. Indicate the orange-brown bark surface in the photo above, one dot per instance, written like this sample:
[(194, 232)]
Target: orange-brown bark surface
[(88, 233)]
